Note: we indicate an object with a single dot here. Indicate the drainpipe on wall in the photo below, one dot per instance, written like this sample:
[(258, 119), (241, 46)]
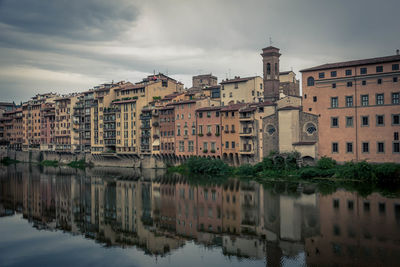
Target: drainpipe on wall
[(356, 110)]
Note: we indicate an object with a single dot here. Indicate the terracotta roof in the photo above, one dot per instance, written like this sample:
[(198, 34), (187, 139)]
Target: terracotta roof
[(181, 102), (171, 96), (247, 109), (290, 108), (212, 87), (304, 143), (233, 107), (285, 72), (237, 80), (208, 109), (124, 101), (166, 107), (369, 61)]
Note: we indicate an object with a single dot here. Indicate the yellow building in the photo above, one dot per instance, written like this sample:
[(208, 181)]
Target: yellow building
[(242, 90), (66, 136)]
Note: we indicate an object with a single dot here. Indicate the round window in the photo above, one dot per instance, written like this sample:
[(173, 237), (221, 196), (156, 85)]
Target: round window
[(271, 129), (311, 128)]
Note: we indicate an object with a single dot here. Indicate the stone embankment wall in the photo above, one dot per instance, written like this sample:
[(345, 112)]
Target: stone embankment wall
[(108, 160)]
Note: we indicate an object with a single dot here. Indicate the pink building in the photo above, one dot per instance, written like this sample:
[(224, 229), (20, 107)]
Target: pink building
[(209, 132), (185, 127), (167, 130)]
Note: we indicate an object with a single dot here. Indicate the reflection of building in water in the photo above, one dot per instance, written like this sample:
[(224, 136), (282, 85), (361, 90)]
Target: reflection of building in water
[(186, 209), (231, 208), (250, 203), (126, 211), (244, 246), (356, 231), (63, 203), (11, 190), (168, 211), (210, 208)]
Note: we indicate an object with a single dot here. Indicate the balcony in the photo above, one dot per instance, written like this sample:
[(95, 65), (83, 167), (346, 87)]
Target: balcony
[(247, 149), (246, 118), (247, 132)]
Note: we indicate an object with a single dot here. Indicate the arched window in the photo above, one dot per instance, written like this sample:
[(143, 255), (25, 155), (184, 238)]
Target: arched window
[(276, 68), (310, 81), (268, 68)]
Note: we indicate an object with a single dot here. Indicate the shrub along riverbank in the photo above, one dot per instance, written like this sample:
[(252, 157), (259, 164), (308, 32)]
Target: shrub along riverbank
[(277, 166)]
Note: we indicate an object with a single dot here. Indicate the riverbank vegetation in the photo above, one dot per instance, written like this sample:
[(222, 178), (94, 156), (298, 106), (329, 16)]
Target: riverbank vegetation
[(7, 161), (278, 166)]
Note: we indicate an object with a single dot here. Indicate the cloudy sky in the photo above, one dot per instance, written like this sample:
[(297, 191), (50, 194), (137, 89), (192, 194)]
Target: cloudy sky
[(72, 45)]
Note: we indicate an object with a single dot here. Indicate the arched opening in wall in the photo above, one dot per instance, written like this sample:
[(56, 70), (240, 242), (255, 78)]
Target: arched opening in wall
[(231, 157), (308, 161), (268, 68), (225, 156), (310, 81)]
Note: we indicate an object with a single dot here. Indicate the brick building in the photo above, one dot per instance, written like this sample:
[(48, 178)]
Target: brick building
[(209, 132), (358, 107)]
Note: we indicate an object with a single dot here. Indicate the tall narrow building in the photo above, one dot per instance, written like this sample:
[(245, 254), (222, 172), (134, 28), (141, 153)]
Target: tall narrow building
[(270, 57)]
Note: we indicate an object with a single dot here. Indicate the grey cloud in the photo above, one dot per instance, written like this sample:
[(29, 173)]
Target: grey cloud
[(185, 37), (87, 20)]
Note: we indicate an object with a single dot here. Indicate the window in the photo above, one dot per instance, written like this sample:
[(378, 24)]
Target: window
[(321, 75), (395, 98), (364, 100), (349, 101), (333, 85), (396, 147), (379, 99), (311, 128), (364, 121), (200, 114), (363, 71), (314, 99), (310, 81), (233, 144), (349, 84), (365, 147), (334, 122), (212, 146), (379, 81), (395, 67), (336, 203), (349, 147), (181, 146), (395, 119), (191, 146), (335, 147), (364, 82), (349, 121), (334, 102), (379, 68), (268, 68), (205, 146), (380, 147), (380, 120), (226, 144), (200, 129), (395, 79), (348, 72), (396, 136), (333, 73)]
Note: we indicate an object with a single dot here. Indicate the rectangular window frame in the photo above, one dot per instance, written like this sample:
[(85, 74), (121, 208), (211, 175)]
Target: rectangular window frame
[(377, 147), (347, 147), (377, 120), (337, 122), (380, 99)]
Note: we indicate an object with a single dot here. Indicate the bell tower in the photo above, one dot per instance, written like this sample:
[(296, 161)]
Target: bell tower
[(270, 57)]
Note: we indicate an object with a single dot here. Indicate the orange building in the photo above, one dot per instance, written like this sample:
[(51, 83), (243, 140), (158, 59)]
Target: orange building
[(358, 107), (230, 132), (209, 132)]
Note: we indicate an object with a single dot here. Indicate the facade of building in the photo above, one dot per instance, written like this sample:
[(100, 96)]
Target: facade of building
[(48, 118), (242, 90), (290, 129), (167, 130), (358, 107), (66, 137), (229, 126), (204, 80), (288, 84), (209, 132)]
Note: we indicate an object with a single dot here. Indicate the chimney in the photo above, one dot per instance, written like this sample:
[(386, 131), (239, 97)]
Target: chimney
[(397, 52)]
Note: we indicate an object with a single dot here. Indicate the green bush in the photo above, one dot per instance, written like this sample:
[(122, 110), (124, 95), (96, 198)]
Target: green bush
[(207, 166), (245, 170), (52, 163), (326, 163), (307, 173), (387, 171)]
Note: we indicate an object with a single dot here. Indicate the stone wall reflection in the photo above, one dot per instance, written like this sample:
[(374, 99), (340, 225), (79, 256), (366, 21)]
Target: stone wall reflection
[(160, 213)]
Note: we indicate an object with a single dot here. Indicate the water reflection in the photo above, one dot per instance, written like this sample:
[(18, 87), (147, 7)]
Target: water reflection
[(160, 213)]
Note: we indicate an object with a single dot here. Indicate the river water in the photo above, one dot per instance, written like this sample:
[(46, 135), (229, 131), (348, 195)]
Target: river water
[(124, 217)]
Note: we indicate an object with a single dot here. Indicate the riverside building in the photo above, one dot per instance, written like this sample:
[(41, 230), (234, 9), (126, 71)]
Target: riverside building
[(357, 103)]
